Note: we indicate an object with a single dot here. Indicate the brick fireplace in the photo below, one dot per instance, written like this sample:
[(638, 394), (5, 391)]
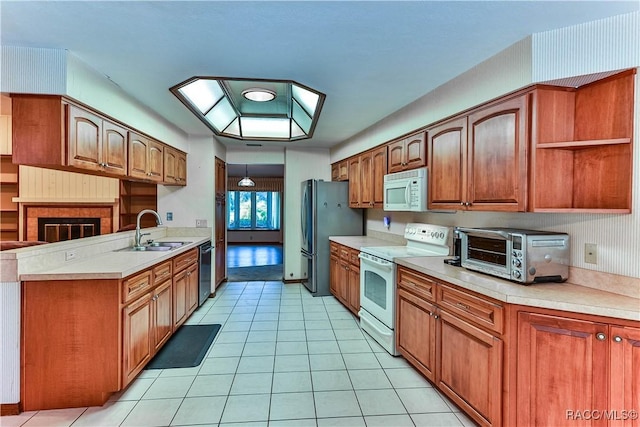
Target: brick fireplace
[(66, 222)]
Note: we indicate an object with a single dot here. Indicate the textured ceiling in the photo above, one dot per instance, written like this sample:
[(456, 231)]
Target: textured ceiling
[(369, 58)]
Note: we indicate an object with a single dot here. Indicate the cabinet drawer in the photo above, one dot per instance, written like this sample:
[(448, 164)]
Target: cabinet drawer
[(344, 253), (353, 257), (162, 272), (335, 249), (183, 261), (420, 285), (135, 286), (479, 311)]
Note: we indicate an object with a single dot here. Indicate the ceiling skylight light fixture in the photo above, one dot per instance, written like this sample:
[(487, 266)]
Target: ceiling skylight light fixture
[(259, 110), (259, 95)]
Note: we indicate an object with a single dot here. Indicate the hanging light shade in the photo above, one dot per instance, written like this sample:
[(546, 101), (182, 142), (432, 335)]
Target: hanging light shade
[(246, 181)]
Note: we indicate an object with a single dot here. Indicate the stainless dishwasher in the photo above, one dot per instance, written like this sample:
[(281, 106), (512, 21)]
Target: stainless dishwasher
[(204, 258)]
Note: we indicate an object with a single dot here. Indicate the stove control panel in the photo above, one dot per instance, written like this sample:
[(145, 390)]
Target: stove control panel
[(427, 233)]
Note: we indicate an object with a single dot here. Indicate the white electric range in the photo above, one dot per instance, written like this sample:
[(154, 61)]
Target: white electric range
[(378, 278)]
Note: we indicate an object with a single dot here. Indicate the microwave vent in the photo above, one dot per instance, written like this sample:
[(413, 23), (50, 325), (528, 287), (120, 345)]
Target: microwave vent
[(414, 173)]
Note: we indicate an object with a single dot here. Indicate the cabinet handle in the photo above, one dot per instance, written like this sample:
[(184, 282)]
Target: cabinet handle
[(617, 338), (601, 336), (463, 306), (461, 203), (131, 289), (435, 316)]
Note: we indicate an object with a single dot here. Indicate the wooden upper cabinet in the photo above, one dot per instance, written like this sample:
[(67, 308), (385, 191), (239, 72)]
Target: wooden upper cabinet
[(146, 158), (497, 157), (175, 167), (55, 132), (84, 138), (340, 171), (95, 143), (379, 171), (114, 148), (354, 182), (582, 139), (407, 153), (366, 180), (478, 162), (447, 155)]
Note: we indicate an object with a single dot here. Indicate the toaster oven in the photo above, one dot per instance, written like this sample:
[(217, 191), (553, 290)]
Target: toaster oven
[(523, 256)]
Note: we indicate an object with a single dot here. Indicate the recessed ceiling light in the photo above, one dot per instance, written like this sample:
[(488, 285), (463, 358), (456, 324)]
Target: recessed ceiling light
[(259, 95)]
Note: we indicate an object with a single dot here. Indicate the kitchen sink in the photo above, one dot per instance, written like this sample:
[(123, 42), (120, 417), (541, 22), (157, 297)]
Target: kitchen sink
[(154, 247)]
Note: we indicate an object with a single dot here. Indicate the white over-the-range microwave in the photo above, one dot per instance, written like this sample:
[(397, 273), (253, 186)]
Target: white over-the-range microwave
[(406, 191)]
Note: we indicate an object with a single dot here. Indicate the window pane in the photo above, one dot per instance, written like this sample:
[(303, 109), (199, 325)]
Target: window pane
[(262, 211), (231, 206), (275, 210), (244, 200)]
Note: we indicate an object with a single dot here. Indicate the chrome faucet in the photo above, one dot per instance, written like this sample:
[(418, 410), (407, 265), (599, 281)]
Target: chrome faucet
[(138, 234)]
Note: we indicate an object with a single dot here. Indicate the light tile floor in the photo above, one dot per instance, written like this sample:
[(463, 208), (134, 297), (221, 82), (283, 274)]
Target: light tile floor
[(282, 358)]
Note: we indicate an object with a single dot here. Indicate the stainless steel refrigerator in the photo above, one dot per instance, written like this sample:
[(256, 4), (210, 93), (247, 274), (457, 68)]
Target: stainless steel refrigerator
[(325, 212)]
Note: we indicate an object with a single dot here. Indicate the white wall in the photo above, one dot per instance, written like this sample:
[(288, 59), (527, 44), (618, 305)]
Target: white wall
[(300, 165), (599, 46)]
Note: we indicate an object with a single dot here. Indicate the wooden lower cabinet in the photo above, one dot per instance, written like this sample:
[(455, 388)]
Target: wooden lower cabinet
[(416, 332), (83, 340), (576, 371), (344, 276), (470, 369), (137, 325)]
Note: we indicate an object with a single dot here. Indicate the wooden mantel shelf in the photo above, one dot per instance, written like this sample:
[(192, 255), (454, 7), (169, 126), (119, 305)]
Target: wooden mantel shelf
[(65, 201)]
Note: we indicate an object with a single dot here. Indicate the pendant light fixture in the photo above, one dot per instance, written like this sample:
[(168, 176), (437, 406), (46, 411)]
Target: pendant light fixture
[(246, 181)]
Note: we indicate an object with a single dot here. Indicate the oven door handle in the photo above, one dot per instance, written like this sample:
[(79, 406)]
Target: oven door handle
[(479, 232), (388, 266)]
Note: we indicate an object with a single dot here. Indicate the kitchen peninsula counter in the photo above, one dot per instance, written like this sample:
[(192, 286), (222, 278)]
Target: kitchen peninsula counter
[(115, 264)]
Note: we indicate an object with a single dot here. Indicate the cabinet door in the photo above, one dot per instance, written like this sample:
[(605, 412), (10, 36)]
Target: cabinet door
[(366, 180), (343, 283), (162, 314), (170, 166), (396, 156), (138, 155), (343, 170), (137, 327), (180, 289), (156, 160), (379, 171), (496, 162), (84, 139), (416, 332), (354, 182), (335, 172), (447, 154), (415, 151), (220, 220), (354, 288), (192, 288), (470, 369), (625, 371), (114, 148), (181, 168), (562, 366), (334, 274)]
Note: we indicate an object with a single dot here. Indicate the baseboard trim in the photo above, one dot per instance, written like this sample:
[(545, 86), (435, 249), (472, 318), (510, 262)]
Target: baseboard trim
[(291, 281), (10, 409)]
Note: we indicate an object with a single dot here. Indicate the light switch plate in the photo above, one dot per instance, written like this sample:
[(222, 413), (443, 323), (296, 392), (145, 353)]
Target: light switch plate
[(201, 223)]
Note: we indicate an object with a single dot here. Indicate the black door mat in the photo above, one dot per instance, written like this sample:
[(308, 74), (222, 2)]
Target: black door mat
[(186, 348)]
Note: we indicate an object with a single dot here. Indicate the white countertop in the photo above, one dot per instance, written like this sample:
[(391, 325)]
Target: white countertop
[(114, 264), (565, 296)]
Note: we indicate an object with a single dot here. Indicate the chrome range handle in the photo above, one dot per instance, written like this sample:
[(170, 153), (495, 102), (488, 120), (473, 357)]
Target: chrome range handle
[(476, 231)]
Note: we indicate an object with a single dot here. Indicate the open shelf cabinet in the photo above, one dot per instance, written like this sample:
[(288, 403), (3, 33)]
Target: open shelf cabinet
[(583, 146), (135, 197), (8, 208)]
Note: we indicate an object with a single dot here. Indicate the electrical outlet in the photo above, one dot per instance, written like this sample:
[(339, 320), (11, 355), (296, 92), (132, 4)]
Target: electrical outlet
[(201, 223), (69, 255), (169, 216), (591, 253)]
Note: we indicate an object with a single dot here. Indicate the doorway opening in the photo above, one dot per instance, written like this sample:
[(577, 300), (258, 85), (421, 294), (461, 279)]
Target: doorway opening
[(254, 223)]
